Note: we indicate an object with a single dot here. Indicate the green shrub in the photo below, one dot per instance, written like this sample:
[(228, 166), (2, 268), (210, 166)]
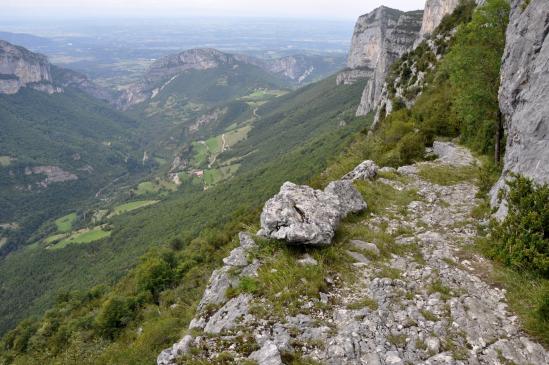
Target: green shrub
[(411, 148), (115, 314), (522, 239), (154, 275)]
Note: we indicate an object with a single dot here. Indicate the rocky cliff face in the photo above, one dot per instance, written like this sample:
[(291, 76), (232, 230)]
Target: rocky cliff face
[(524, 94), (434, 11), (380, 37), (20, 68), (397, 42)]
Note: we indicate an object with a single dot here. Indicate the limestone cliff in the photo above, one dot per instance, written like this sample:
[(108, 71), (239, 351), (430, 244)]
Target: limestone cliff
[(21, 68), (434, 11), (524, 93), (379, 38)]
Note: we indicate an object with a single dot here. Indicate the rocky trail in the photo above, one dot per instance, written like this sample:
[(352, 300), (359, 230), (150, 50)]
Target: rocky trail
[(420, 300)]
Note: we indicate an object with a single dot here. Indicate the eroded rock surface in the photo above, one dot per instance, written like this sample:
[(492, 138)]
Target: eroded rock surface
[(54, 174), (20, 68), (426, 302), (524, 93), (379, 38), (303, 215)]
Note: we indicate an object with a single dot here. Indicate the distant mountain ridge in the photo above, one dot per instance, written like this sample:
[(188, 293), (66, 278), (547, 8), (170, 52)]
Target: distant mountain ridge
[(297, 69)]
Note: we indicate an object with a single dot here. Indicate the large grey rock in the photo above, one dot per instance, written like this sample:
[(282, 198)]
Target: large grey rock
[(367, 170), (524, 94), (267, 355), (350, 200), (303, 215)]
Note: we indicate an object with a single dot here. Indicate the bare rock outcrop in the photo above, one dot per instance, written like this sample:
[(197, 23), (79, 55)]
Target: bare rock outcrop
[(20, 68), (54, 174), (379, 38), (524, 93), (367, 170), (229, 312), (434, 12), (303, 215)]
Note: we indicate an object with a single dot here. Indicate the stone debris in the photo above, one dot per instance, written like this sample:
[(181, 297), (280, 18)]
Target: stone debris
[(428, 306)]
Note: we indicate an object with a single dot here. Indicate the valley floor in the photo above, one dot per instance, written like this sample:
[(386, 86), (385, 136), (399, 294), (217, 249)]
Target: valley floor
[(419, 295)]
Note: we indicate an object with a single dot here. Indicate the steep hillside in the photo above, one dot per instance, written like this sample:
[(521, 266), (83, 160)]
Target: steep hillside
[(366, 265), (57, 152), (315, 136), (290, 70)]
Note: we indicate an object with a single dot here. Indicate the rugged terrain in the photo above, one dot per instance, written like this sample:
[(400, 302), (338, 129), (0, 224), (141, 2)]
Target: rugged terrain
[(412, 291)]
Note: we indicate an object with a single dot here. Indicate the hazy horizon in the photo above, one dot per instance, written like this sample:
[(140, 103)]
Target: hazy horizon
[(319, 9)]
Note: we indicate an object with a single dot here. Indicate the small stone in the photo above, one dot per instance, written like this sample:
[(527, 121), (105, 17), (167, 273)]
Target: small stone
[(267, 355), (307, 260), (359, 258), (433, 344), (392, 358), (366, 246), (388, 170)]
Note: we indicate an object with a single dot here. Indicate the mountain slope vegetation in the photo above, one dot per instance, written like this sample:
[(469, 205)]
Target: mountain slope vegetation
[(213, 215), (61, 149)]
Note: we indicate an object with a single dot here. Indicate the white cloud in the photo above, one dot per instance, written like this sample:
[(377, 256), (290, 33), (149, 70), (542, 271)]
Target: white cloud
[(276, 8)]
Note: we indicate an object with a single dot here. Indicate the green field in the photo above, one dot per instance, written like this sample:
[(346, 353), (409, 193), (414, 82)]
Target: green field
[(85, 236), (155, 187), (64, 224), (236, 135), (200, 153), (5, 161), (263, 94), (128, 207), (55, 238), (214, 176)]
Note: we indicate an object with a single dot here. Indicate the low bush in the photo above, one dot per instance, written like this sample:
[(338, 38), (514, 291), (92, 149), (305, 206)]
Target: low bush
[(522, 239)]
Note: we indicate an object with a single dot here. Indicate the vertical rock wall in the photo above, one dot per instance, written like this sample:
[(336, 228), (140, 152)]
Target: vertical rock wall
[(524, 94)]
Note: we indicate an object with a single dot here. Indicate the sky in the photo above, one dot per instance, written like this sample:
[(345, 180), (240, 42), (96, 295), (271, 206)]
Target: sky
[(321, 9)]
